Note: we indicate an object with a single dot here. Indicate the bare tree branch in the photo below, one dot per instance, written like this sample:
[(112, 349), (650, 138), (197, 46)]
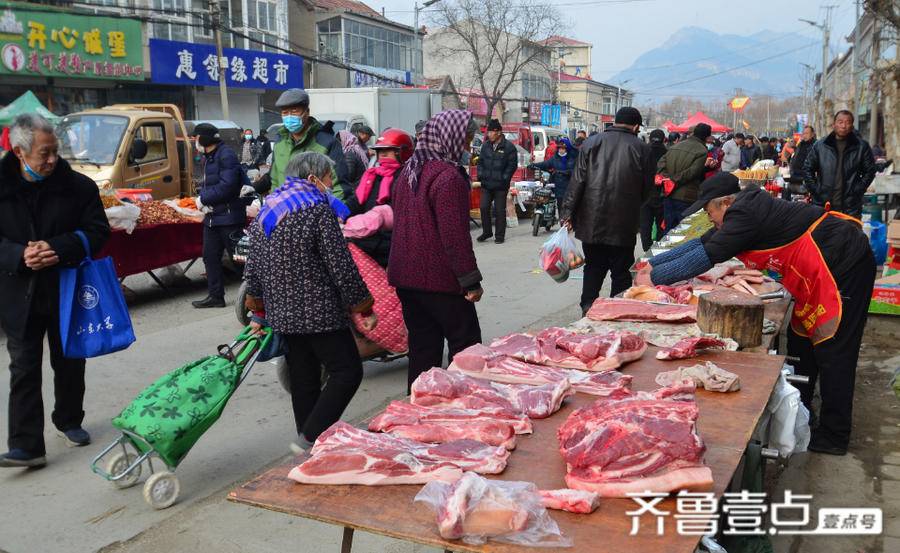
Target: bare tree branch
[(499, 41)]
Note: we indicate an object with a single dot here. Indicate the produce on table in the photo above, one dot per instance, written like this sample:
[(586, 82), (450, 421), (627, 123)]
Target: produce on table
[(109, 201), (157, 213), (187, 203)]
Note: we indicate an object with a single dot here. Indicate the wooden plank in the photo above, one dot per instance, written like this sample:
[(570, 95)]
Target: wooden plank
[(726, 423)]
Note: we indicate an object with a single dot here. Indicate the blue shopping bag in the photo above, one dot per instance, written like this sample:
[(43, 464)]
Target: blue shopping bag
[(93, 317)]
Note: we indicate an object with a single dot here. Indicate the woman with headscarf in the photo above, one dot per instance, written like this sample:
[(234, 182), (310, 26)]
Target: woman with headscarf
[(356, 158), (560, 167), (432, 264), (301, 276)]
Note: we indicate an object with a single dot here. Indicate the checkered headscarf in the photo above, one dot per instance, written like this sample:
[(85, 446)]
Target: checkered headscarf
[(443, 138)]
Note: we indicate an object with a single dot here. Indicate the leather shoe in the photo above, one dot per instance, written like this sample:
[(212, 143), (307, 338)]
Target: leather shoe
[(208, 301), (484, 237), (821, 444), (499, 240)]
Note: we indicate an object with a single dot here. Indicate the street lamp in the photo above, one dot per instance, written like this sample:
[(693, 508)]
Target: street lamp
[(826, 38), (619, 92), (416, 10)]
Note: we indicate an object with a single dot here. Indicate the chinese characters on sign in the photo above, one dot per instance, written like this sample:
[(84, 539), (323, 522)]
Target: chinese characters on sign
[(746, 514), (56, 44), (184, 63)]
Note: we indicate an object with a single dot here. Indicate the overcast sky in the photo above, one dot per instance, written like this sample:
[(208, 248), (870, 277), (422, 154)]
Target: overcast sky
[(621, 30)]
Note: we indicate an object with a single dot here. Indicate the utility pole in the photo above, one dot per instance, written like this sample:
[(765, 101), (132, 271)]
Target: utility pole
[(768, 116), (419, 62), (853, 62), (874, 82), (825, 27), (214, 10)]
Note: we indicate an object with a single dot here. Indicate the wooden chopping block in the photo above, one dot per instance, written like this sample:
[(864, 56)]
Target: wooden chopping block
[(732, 314)]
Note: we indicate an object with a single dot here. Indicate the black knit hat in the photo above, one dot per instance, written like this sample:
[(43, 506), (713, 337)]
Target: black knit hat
[(628, 116), (494, 125), (207, 134), (658, 136)]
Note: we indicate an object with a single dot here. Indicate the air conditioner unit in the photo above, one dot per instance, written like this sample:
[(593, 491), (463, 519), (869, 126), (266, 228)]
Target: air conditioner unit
[(576, 113)]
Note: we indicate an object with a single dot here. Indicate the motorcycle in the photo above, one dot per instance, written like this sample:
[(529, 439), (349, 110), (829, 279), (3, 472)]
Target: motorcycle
[(545, 209)]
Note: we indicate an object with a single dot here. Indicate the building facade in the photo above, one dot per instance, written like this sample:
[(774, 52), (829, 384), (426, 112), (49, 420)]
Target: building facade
[(531, 85), (366, 48), (591, 105), (570, 56)]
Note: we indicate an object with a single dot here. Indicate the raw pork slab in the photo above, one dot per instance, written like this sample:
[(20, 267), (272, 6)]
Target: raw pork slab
[(475, 427), (645, 442), (559, 347), (611, 384), (573, 501), (344, 454), (689, 347), (401, 412), (708, 375), (480, 361), (617, 309), (438, 387)]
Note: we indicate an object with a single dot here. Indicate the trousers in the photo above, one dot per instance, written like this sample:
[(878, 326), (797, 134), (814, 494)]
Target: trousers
[(497, 199), (672, 210), (317, 407), (651, 218), (26, 405), (600, 259), (433, 318), (832, 363), (215, 241)]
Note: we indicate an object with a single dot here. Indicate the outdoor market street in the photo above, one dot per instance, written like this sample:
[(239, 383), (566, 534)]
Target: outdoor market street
[(65, 508)]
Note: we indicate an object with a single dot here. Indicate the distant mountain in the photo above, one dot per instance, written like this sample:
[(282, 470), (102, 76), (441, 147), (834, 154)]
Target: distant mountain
[(676, 67)]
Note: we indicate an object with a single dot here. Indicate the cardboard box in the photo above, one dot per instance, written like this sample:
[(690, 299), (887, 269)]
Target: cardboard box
[(893, 231), (886, 296)]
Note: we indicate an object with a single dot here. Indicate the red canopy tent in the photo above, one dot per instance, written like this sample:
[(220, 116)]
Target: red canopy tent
[(668, 125), (698, 118)]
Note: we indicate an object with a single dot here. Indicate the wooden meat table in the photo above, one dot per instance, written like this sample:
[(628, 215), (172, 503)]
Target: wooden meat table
[(726, 423)]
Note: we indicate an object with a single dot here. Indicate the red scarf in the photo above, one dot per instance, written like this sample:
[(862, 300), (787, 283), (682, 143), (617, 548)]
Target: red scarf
[(386, 169)]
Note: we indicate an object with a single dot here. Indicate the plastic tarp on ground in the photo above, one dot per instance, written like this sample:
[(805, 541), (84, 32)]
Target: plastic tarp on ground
[(698, 118), (26, 103)]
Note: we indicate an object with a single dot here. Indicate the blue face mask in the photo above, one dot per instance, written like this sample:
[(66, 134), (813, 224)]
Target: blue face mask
[(293, 123), (709, 147), (32, 173)]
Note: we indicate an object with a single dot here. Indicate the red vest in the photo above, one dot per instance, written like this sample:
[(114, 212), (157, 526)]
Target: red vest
[(800, 267)]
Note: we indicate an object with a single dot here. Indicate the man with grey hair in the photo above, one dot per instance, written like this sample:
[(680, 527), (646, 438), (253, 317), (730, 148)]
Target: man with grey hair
[(43, 202)]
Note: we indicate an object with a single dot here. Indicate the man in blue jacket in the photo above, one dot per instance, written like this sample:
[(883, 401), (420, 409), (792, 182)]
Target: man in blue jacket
[(220, 194)]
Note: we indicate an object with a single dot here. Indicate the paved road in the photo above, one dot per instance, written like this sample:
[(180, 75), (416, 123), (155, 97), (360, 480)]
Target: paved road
[(65, 508)]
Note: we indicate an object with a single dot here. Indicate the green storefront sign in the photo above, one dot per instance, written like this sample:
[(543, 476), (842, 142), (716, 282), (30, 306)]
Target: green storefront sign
[(46, 43)]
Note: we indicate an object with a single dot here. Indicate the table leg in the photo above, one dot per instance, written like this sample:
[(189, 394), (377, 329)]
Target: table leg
[(347, 541), (157, 281)]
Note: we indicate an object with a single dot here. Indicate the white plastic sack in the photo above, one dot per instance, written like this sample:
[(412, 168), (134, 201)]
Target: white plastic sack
[(189, 213), (784, 424), (123, 217), (476, 510), (560, 254)]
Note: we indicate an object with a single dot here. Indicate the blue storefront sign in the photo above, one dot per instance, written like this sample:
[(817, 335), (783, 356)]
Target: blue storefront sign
[(184, 63), (550, 115)]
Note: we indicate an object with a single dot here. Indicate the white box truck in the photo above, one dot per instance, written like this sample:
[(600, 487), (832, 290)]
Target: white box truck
[(379, 108)]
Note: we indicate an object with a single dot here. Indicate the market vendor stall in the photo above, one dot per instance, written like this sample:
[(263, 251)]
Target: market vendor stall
[(154, 246), (726, 423)]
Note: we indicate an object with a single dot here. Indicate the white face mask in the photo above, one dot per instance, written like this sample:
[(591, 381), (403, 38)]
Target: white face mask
[(199, 148)]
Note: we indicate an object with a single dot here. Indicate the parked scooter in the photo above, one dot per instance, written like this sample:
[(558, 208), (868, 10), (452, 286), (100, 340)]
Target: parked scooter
[(545, 210)]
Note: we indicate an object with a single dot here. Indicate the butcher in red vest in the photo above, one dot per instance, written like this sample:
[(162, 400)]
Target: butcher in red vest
[(821, 257)]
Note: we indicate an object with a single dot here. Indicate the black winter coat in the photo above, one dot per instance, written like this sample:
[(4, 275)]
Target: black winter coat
[(798, 161), (561, 169), (355, 170), (821, 167), (221, 188), (51, 210), (496, 166), (613, 177)]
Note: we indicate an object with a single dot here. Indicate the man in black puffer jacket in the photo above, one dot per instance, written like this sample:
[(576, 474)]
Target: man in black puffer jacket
[(840, 167), (496, 164), (613, 178), (221, 194)]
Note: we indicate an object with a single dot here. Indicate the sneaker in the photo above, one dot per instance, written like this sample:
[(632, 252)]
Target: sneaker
[(75, 437), (208, 301), (22, 459), (484, 237)]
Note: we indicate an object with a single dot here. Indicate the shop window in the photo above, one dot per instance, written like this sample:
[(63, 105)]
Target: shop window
[(154, 134)]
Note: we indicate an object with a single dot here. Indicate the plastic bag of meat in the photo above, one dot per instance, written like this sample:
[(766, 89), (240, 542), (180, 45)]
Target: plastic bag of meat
[(476, 510), (707, 375), (560, 254)]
